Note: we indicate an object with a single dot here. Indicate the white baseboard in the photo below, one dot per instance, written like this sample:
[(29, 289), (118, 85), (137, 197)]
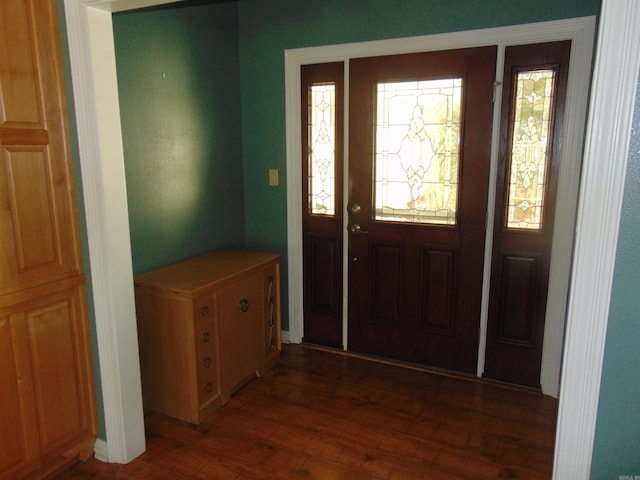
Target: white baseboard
[(101, 450), (285, 336)]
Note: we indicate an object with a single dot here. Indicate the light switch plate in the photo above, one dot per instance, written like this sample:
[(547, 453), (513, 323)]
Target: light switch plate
[(273, 177)]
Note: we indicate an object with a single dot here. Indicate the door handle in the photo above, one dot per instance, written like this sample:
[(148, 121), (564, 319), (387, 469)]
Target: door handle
[(357, 229), (243, 305)]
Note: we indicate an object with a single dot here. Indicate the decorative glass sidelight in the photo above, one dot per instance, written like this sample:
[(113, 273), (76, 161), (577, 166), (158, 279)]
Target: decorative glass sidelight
[(528, 167), (322, 146), (418, 151)]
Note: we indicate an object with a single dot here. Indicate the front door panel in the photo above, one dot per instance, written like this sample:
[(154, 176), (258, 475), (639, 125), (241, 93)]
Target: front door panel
[(420, 140)]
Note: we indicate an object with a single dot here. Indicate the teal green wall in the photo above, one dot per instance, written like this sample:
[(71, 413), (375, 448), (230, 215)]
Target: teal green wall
[(180, 105), (269, 27), (616, 450), (75, 156)]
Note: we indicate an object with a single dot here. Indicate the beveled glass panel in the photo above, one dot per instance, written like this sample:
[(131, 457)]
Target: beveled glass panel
[(529, 154), (322, 147), (418, 151)]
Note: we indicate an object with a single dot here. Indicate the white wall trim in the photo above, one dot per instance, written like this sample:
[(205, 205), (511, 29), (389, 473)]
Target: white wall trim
[(581, 32), (607, 148), (566, 205), (101, 450), (123, 5), (292, 62), (95, 92)]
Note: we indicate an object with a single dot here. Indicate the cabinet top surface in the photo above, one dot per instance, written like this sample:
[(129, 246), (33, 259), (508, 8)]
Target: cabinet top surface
[(205, 270)]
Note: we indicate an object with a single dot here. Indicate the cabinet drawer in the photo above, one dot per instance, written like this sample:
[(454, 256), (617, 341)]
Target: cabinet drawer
[(207, 374), (204, 323), (241, 300)]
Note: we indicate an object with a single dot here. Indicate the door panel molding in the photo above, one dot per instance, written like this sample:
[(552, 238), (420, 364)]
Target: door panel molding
[(322, 252), (437, 264), (517, 298), (386, 270)]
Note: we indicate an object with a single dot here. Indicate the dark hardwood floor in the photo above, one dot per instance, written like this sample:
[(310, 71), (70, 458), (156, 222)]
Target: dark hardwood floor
[(324, 415)]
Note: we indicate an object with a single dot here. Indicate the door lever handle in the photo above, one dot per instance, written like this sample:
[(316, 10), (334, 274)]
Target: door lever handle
[(357, 229)]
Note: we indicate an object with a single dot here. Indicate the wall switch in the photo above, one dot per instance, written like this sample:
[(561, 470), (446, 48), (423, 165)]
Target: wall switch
[(273, 177)]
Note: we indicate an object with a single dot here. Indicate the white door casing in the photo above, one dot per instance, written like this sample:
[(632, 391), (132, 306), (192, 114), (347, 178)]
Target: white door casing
[(95, 91)]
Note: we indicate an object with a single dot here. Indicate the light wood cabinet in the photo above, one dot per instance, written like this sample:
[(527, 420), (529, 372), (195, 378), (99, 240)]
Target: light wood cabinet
[(47, 415), (38, 218), (47, 397), (206, 326)]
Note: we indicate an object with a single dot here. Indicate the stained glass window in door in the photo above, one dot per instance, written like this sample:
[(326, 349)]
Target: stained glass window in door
[(418, 151), (529, 153), (322, 141)]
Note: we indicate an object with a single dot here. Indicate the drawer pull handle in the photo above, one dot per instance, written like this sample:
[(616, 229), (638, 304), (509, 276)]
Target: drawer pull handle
[(244, 305), (206, 363), (206, 337), (208, 388), (204, 311)]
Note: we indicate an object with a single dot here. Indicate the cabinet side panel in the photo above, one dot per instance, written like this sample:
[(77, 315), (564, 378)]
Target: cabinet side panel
[(20, 97), (38, 223), (14, 438), (61, 386), (167, 361), (28, 177)]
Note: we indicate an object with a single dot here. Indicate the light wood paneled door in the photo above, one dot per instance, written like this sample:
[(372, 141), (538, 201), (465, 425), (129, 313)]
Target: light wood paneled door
[(47, 414)]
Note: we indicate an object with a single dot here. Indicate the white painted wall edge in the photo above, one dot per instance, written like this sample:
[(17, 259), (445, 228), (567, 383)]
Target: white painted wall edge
[(95, 93), (123, 5), (566, 205), (101, 450), (608, 133)]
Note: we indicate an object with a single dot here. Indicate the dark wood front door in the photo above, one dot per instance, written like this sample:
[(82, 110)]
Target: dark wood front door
[(419, 150), (416, 210)]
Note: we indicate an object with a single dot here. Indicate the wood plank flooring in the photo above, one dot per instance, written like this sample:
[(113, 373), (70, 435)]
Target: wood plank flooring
[(324, 415)]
